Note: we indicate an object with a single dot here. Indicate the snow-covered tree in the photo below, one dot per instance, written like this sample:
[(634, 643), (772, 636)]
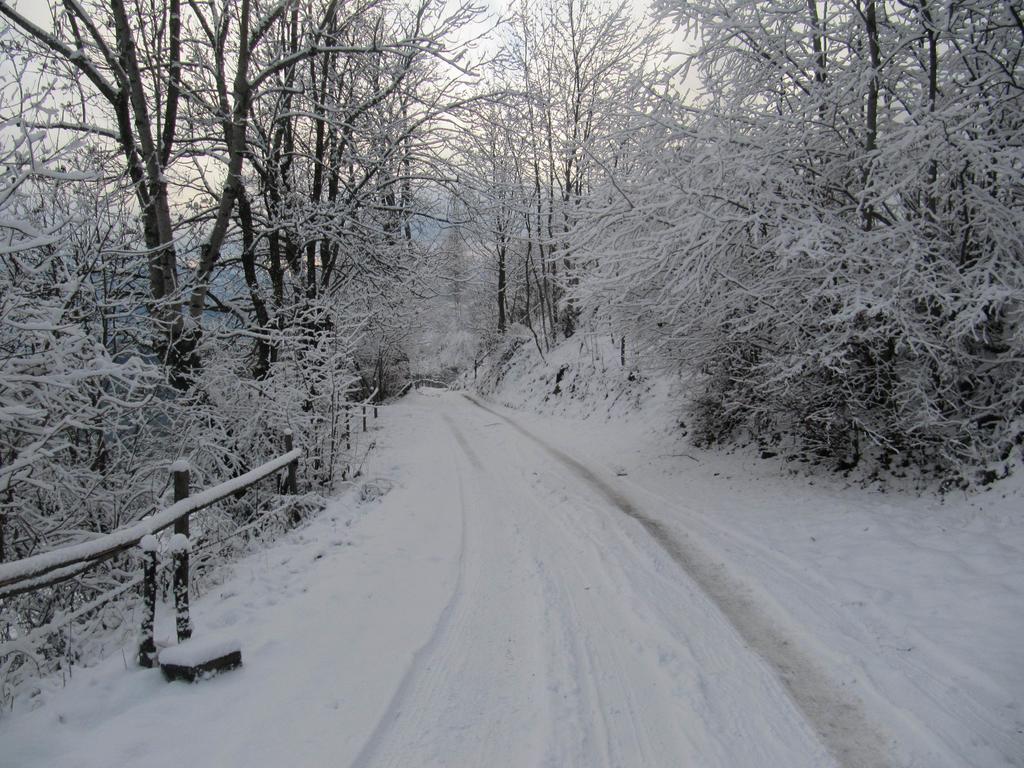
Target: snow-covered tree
[(573, 78), (208, 214), (832, 236)]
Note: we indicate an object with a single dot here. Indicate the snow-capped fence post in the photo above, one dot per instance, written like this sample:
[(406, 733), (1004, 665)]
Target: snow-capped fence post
[(364, 417), (44, 569), (183, 623), (147, 645), (292, 484)]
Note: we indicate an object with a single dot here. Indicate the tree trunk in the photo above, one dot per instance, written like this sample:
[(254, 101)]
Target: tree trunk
[(501, 288)]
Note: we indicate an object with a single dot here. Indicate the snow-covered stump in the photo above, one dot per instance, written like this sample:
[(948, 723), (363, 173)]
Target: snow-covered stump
[(195, 660), (147, 645), (180, 547)]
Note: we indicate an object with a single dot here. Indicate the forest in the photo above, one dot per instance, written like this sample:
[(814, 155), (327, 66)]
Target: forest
[(225, 219)]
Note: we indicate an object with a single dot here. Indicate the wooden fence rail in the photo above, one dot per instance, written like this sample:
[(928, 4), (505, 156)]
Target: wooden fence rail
[(61, 563), (348, 406), (48, 568)]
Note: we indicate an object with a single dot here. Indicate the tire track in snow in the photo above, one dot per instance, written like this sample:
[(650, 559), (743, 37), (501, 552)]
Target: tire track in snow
[(437, 638), (630, 682), (678, 682), (461, 701), (837, 716)]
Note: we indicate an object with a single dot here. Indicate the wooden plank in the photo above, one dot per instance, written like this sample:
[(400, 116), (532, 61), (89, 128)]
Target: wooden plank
[(195, 672)]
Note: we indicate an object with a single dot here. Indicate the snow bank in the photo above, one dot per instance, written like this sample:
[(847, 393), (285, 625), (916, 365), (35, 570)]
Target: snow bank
[(584, 377)]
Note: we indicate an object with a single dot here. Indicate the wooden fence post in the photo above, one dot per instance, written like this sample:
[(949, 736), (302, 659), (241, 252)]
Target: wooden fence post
[(348, 428), (364, 417), (292, 484), (147, 646), (183, 622)]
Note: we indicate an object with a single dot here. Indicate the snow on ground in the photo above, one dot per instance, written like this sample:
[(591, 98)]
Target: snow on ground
[(570, 588), (328, 620), (492, 609), (914, 602)]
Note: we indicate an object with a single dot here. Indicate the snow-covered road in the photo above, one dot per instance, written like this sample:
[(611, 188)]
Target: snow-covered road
[(578, 633), (503, 605)]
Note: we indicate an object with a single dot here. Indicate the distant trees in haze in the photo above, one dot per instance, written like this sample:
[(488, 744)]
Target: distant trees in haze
[(571, 87)]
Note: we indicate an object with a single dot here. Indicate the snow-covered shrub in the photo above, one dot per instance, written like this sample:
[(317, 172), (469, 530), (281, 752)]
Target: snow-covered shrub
[(89, 425), (230, 421), (76, 397), (846, 279)]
